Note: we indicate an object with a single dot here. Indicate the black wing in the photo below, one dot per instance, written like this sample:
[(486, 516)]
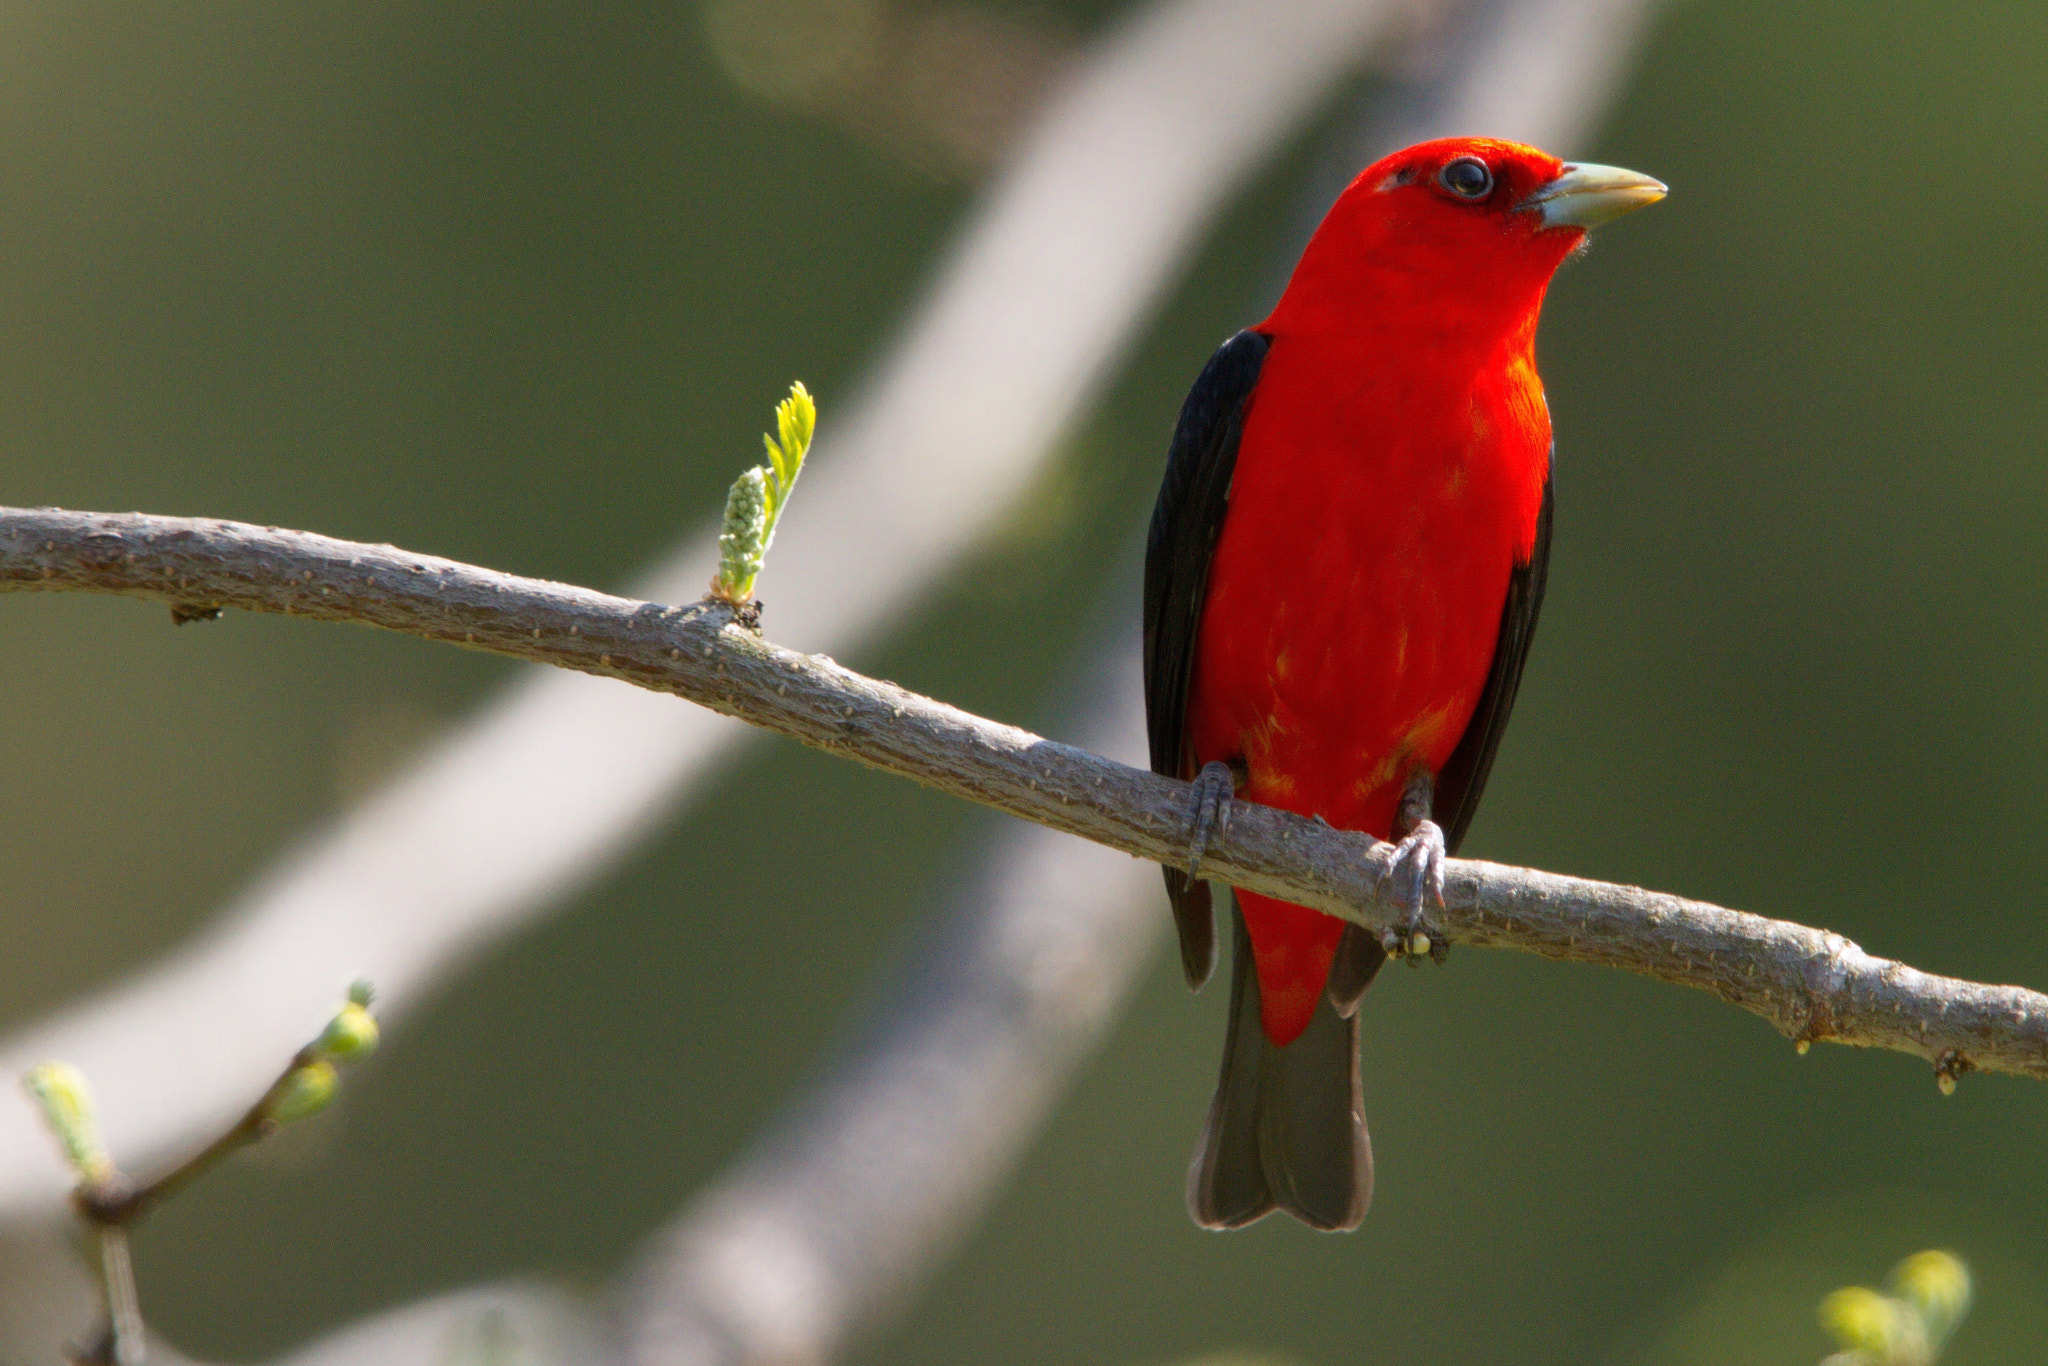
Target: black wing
[(1185, 524), (1464, 774)]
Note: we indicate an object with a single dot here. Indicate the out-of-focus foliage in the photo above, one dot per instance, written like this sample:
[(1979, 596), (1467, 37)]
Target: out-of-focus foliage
[(310, 1084), (944, 87), (66, 1102), (1755, 1305), (352, 1032), (1907, 1324)]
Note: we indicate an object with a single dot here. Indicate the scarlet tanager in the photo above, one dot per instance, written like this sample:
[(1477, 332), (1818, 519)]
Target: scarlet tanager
[(1342, 579)]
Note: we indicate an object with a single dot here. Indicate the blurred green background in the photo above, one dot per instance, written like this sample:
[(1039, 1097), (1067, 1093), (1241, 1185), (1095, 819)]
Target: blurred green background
[(519, 283)]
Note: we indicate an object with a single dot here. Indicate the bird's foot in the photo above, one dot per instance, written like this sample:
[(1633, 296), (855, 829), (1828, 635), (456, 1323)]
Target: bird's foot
[(1209, 810), (1419, 859)]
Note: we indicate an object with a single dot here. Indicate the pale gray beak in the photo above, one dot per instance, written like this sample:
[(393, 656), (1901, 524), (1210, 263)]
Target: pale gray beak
[(1586, 196)]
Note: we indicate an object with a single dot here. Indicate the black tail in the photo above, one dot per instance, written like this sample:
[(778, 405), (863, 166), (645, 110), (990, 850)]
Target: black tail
[(1287, 1127)]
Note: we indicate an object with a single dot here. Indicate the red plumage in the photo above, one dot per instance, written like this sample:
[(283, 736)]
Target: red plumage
[(1352, 572), (1388, 481)]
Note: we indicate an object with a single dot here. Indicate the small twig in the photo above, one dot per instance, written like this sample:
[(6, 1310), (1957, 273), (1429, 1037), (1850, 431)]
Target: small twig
[(1810, 984), (124, 1308), (111, 1204), (305, 1087), (118, 1204)]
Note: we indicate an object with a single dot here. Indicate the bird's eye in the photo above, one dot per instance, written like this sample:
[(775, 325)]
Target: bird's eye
[(1467, 178)]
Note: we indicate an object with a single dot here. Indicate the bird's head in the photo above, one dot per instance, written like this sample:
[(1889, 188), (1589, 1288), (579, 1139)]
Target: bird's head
[(1466, 226)]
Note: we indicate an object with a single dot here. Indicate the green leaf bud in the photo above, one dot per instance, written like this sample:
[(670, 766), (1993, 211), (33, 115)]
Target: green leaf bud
[(754, 504), (66, 1101), (796, 419), (306, 1090), (1937, 1285), (743, 542), (350, 1034), (1860, 1319)]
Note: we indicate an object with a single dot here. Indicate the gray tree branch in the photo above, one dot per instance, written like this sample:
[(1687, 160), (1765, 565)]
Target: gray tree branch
[(1810, 984)]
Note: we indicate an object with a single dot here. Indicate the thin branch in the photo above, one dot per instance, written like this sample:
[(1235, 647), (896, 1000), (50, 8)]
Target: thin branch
[(1810, 984), (110, 1204), (123, 1345), (121, 1204)]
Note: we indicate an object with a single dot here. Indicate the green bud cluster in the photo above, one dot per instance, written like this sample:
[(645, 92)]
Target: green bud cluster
[(66, 1101), (1924, 1299), (310, 1085), (743, 542), (306, 1090), (1937, 1285), (754, 504), (350, 1034)]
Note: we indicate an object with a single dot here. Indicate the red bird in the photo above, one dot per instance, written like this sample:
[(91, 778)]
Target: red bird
[(1341, 582)]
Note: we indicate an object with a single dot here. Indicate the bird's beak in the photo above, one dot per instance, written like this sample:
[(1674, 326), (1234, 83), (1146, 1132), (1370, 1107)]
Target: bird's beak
[(1586, 196)]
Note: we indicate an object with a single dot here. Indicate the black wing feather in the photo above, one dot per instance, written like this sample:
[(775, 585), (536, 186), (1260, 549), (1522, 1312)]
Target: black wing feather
[(1186, 521), (1464, 774)]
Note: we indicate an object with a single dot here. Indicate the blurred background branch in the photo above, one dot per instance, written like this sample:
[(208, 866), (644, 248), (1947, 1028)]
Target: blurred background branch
[(838, 1212), (1924, 1301)]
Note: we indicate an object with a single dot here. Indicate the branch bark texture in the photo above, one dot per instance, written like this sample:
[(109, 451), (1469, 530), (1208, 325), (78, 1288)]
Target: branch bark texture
[(1810, 984)]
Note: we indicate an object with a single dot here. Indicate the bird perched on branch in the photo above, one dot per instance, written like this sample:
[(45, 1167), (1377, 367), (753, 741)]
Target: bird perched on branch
[(1342, 579)]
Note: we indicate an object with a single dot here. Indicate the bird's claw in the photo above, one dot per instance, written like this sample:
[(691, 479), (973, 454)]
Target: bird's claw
[(1420, 858), (1215, 790)]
